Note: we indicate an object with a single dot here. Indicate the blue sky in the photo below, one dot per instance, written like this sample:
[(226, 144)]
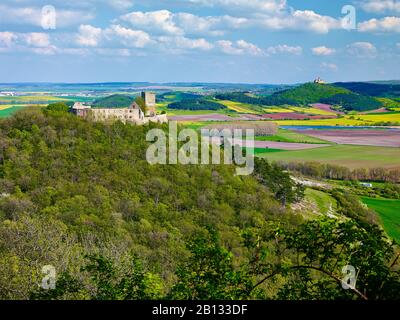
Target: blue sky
[(240, 41)]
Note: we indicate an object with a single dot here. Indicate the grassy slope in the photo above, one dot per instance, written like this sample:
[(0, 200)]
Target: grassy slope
[(344, 155), (324, 201), (389, 211)]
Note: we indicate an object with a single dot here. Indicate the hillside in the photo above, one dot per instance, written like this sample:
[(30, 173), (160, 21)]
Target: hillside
[(80, 196), (311, 93), (196, 104), (388, 90), (113, 101)]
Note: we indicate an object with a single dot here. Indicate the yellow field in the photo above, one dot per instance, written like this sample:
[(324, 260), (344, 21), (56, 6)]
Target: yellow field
[(277, 110), (237, 106), (23, 99), (358, 120), (313, 111)]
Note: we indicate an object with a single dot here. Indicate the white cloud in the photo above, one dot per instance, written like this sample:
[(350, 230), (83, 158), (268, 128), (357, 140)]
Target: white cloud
[(7, 39), (160, 21), (182, 23), (120, 4), (387, 24), (329, 66), (262, 5), (128, 37), (323, 51), (285, 49), (89, 36), (33, 16), (36, 39), (381, 6), (240, 47), (362, 50), (307, 20)]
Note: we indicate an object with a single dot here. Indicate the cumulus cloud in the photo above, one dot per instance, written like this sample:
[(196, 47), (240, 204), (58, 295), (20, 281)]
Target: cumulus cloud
[(88, 36), (158, 21), (37, 39), (128, 37), (240, 47), (262, 5), (297, 50), (7, 39), (182, 23), (323, 51), (387, 24), (362, 50), (307, 20), (381, 6), (33, 16)]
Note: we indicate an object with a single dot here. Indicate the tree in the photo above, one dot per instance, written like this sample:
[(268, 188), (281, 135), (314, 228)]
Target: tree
[(142, 104), (57, 107), (278, 181), (106, 282), (209, 273), (314, 255)]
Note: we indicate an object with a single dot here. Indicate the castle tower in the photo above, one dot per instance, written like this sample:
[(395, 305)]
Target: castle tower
[(150, 101)]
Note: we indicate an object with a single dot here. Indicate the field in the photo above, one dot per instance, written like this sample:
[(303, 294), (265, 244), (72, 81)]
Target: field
[(239, 107), (344, 155), (291, 137), (348, 120), (389, 212), (6, 112), (384, 138)]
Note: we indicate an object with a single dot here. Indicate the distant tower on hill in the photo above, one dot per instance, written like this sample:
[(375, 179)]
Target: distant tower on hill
[(150, 101), (319, 81)]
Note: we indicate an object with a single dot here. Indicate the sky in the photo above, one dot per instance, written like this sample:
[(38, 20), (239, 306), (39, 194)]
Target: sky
[(229, 41)]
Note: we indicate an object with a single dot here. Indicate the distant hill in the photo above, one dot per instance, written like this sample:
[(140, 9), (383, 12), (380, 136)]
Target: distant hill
[(309, 93), (193, 104), (114, 101), (372, 89)]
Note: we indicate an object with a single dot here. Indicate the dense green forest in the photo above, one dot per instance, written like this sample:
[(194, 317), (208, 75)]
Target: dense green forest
[(371, 89), (114, 101), (196, 104), (81, 196), (272, 100), (311, 92)]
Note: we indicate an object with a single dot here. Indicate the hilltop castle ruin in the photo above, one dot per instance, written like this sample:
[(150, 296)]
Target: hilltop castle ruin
[(132, 114)]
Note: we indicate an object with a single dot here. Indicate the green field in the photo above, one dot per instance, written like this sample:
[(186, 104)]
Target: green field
[(4, 113), (389, 211), (291, 136), (344, 155)]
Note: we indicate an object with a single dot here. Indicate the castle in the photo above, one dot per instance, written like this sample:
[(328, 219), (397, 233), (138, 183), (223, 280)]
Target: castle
[(319, 81), (132, 114)]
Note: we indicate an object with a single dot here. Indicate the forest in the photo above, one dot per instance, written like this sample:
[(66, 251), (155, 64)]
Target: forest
[(196, 104), (80, 196)]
